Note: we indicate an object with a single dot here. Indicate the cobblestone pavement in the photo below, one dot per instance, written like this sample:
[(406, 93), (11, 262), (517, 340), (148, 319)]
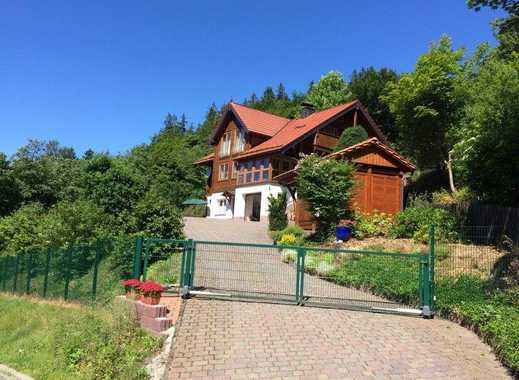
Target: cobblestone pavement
[(232, 230), (239, 340)]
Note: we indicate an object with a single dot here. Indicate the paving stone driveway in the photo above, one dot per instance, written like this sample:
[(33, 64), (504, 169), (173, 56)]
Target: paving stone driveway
[(239, 340), (232, 230)]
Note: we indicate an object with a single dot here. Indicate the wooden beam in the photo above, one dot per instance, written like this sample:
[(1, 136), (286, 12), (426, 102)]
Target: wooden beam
[(355, 119)]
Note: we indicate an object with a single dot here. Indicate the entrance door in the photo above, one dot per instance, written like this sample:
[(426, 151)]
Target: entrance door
[(253, 207)]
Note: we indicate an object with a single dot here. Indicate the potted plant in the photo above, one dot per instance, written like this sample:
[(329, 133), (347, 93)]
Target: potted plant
[(131, 287), (344, 229), (151, 292)]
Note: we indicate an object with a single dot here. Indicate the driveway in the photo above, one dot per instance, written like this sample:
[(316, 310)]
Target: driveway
[(239, 340), (231, 230)]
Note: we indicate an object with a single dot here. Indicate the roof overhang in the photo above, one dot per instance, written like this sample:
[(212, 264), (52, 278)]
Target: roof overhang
[(206, 160), (289, 177)]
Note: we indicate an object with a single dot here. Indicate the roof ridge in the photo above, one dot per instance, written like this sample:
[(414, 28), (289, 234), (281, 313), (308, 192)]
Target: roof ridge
[(257, 110)]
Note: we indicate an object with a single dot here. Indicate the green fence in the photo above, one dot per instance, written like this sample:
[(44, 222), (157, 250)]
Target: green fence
[(81, 272), (298, 275)]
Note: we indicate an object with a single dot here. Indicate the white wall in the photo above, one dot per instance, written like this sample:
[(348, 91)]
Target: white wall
[(215, 210), (265, 190)]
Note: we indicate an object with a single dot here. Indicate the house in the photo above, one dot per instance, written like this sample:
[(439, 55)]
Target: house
[(256, 153)]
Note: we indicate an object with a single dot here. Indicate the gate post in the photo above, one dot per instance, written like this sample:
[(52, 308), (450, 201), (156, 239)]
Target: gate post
[(425, 286), (187, 268), (137, 258), (432, 260), (300, 275)]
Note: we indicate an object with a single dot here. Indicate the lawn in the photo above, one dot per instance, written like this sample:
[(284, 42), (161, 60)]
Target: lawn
[(53, 340)]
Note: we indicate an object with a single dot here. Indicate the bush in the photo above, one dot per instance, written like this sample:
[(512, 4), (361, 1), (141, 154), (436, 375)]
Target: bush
[(288, 239), (292, 229), (415, 223), (197, 211), (327, 187), (372, 225), (278, 211), (351, 136)]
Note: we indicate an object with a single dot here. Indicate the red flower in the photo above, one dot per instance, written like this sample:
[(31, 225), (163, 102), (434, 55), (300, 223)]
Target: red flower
[(131, 283), (150, 288)]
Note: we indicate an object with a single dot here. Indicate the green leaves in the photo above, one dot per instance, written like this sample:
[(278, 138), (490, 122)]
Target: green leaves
[(327, 187), (351, 136), (330, 91)]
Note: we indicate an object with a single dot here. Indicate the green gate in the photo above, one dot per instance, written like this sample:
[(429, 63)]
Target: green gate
[(355, 279)]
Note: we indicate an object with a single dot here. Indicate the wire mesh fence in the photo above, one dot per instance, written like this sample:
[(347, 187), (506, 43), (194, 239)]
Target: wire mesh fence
[(80, 272), (161, 261), (477, 251), (313, 276)]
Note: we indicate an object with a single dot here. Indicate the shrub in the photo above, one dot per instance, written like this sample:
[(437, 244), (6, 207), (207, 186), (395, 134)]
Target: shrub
[(371, 225), (351, 136), (293, 229), (278, 211), (288, 239), (327, 187), (197, 211), (415, 222), (166, 272)]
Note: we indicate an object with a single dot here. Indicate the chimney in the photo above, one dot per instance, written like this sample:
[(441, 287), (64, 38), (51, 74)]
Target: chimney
[(307, 109)]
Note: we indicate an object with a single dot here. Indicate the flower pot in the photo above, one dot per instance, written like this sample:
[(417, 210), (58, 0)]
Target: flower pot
[(131, 294), (343, 233), (150, 300)]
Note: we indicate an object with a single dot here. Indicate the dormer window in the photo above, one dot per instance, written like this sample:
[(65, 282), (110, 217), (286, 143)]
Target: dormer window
[(225, 144), (239, 142)]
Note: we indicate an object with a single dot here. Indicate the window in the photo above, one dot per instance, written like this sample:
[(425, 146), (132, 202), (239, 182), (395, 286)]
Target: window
[(248, 178), (265, 175), (224, 172), (249, 165), (258, 164), (234, 169), (256, 176), (225, 144), (239, 142), (265, 163)]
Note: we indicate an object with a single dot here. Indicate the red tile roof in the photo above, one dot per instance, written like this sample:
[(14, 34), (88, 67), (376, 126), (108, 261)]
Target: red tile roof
[(374, 142), (297, 128), (258, 121)]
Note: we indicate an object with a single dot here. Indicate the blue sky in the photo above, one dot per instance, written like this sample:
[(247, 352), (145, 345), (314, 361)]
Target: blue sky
[(102, 74)]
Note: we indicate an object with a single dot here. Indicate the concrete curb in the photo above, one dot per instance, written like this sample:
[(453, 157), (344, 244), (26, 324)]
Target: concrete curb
[(7, 373), (158, 365)]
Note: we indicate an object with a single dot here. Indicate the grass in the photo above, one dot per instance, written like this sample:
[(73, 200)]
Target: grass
[(53, 340)]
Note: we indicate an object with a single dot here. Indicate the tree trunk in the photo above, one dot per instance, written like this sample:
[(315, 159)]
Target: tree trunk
[(448, 163)]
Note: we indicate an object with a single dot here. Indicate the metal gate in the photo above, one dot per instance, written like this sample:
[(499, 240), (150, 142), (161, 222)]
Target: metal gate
[(355, 279)]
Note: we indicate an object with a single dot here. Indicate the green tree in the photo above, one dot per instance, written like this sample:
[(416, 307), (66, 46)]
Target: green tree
[(326, 185), (488, 139), (367, 85), (330, 91), (278, 211), (351, 136), (20, 230), (506, 28), (10, 196), (427, 105)]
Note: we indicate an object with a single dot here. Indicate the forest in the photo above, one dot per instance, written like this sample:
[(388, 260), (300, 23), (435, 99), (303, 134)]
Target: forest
[(456, 116)]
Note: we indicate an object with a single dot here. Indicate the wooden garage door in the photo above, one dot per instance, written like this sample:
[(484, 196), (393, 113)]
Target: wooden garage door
[(379, 192)]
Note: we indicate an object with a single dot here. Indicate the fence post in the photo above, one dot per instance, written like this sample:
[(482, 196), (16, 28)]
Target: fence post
[(432, 259), (425, 286), (192, 244), (29, 269), (300, 275), (96, 268), (16, 267), (4, 271), (183, 265), (137, 258), (68, 263), (46, 275), (145, 264)]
